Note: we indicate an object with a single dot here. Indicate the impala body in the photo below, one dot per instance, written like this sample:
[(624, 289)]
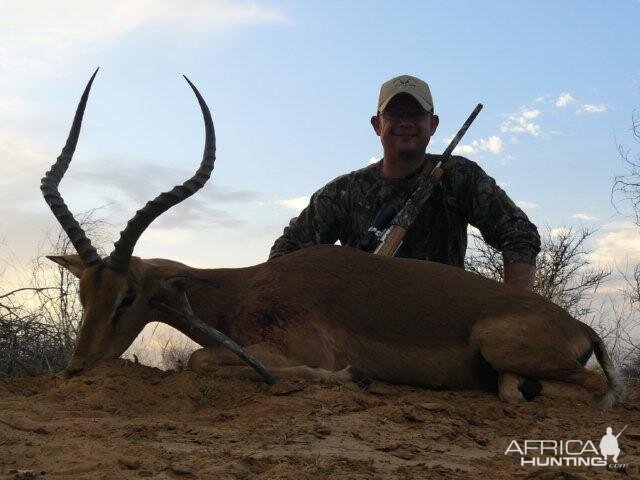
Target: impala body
[(331, 312)]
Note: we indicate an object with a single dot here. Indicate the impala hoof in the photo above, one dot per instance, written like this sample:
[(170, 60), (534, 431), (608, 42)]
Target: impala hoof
[(359, 377), (530, 388), (73, 369)]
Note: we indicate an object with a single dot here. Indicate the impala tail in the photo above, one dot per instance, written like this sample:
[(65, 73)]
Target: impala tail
[(616, 387)]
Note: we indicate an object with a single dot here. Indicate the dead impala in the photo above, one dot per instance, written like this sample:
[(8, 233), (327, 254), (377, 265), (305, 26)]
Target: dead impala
[(320, 310)]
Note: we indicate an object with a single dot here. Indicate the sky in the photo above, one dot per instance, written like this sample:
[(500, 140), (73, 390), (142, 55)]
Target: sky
[(292, 86)]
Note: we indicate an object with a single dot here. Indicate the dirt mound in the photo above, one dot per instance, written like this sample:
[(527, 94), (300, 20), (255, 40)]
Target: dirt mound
[(122, 420)]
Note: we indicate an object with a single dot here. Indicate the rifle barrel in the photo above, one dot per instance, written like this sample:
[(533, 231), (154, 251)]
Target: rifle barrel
[(461, 132), (619, 433)]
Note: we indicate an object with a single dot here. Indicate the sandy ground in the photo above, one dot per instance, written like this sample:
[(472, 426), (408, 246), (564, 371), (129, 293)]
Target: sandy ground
[(123, 420)]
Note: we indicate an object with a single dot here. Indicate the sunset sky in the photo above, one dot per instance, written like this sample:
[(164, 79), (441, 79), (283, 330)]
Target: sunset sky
[(292, 86)]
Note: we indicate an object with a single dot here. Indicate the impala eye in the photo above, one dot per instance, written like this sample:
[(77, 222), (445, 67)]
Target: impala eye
[(126, 302)]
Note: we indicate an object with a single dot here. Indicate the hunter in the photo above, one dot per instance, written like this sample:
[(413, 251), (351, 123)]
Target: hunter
[(345, 208)]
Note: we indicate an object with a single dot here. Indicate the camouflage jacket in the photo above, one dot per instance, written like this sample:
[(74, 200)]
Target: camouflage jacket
[(344, 210)]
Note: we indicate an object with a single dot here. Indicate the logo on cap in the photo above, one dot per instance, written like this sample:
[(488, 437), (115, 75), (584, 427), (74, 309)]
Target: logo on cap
[(405, 82)]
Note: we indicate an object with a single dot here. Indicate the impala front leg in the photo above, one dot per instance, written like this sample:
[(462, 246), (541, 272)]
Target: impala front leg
[(220, 362)]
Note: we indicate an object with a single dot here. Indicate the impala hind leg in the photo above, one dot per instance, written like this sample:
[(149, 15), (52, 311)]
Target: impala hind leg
[(546, 366)]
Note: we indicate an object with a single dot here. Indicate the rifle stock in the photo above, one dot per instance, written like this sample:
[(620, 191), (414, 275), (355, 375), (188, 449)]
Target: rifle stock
[(391, 241)]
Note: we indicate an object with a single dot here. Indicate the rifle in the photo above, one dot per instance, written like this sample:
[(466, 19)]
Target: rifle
[(625, 427), (391, 238)]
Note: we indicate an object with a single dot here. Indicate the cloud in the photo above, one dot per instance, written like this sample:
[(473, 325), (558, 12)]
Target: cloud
[(542, 98), (589, 108), (297, 203), (564, 99), (168, 238), (526, 205), (42, 39), (492, 144), (519, 124), (373, 160), (131, 187), (522, 122), (618, 246), (39, 35), (23, 164), (462, 149), (16, 110), (69, 21), (529, 114), (196, 216), (138, 184), (623, 225), (583, 216)]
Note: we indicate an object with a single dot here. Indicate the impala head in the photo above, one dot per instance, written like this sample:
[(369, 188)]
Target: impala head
[(115, 291), (114, 311)]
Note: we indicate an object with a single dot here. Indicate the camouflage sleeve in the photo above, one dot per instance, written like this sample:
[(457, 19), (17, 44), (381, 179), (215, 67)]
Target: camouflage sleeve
[(321, 222), (502, 224)]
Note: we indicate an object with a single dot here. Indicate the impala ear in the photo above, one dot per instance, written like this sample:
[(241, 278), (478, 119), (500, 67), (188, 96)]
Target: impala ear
[(184, 281), (70, 262)]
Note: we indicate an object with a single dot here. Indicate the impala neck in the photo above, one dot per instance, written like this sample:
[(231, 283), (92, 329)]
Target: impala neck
[(215, 302)]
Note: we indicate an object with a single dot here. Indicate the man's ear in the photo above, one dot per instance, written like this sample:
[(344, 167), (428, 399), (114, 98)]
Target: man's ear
[(184, 281), (435, 121), (70, 262), (375, 123)]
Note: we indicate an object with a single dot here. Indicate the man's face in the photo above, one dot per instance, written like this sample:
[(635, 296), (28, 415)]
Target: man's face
[(404, 127)]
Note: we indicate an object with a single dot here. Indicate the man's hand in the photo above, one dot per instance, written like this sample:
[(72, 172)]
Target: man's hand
[(520, 275)]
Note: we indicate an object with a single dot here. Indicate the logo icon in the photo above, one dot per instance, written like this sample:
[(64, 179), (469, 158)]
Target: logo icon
[(609, 444), (405, 82)]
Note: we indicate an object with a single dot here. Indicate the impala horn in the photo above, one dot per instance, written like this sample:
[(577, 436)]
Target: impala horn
[(51, 180), (121, 254)]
